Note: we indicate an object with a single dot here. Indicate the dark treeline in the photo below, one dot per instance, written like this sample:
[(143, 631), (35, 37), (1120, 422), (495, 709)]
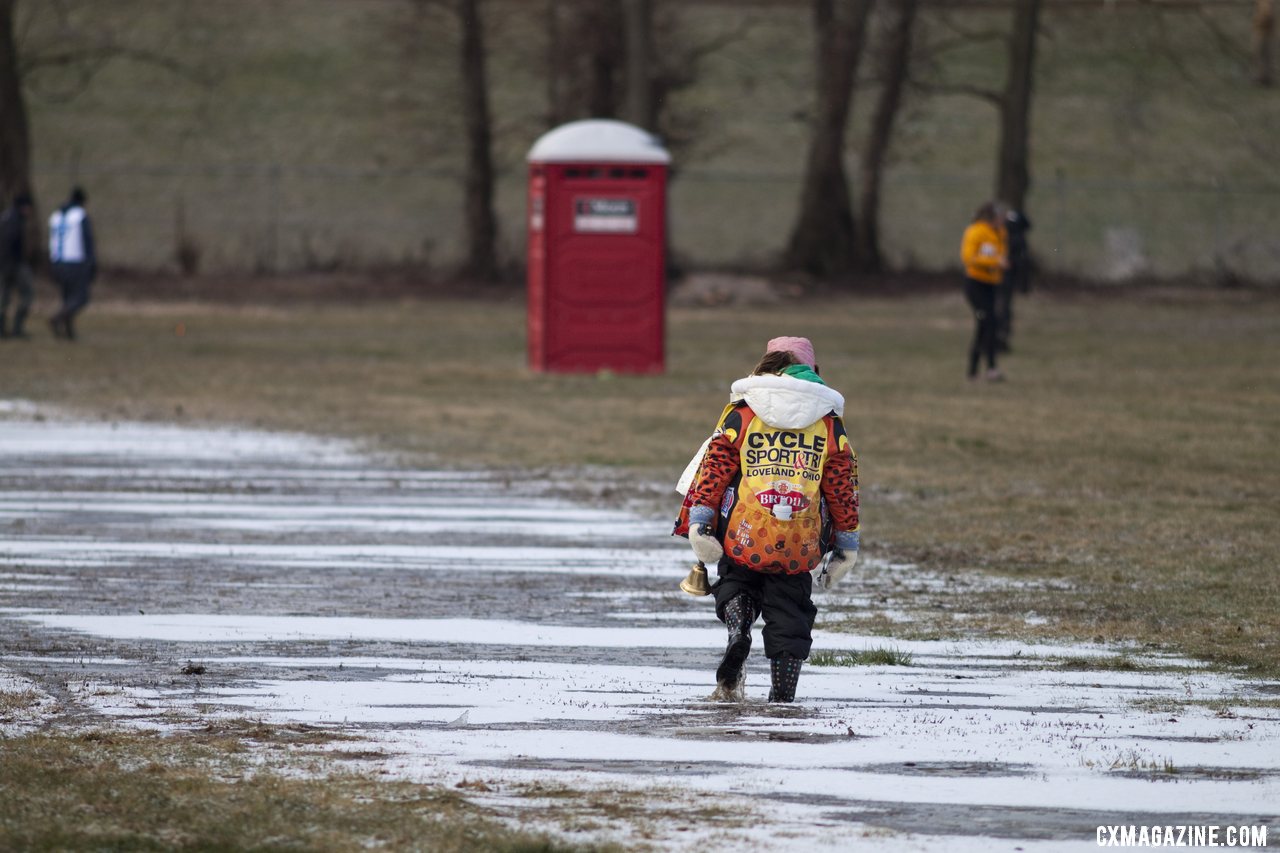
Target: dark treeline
[(626, 59)]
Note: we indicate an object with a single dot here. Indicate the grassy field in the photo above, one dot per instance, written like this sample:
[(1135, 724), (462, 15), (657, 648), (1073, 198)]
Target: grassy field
[(1131, 457), (229, 788)]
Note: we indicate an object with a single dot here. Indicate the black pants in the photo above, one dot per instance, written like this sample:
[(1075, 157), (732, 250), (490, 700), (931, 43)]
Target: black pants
[(982, 299), (784, 600), (1004, 315), (15, 281), (74, 281)]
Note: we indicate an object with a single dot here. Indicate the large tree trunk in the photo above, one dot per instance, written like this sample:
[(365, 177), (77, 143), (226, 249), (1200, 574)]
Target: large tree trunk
[(1013, 176), (481, 224), (602, 33), (559, 110), (822, 241), (894, 68), (15, 134), (639, 104), (1264, 29), (585, 59)]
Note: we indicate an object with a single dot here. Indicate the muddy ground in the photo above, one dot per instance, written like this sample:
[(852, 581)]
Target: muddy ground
[(478, 629)]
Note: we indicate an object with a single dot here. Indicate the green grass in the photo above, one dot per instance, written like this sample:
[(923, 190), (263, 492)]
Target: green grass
[(1111, 663), (879, 656), (1128, 470), (1134, 761), (1163, 705), (115, 791), (1225, 707)]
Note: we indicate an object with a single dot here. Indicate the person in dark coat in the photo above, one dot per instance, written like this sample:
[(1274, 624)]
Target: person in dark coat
[(1016, 277), (15, 267), (74, 261)]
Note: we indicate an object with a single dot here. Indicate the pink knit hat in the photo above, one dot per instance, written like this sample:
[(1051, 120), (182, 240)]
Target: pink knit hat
[(801, 348)]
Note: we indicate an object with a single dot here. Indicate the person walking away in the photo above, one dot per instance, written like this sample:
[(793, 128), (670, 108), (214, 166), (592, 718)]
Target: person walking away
[(15, 267), (74, 261), (777, 488), (982, 250), (1016, 278)]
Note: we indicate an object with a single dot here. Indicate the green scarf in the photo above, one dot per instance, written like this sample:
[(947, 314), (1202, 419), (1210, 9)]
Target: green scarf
[(803, 371)]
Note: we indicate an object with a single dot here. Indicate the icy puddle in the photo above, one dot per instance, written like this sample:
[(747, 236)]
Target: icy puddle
[(479, 631)]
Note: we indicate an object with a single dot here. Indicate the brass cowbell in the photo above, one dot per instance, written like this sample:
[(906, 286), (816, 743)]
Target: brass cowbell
[(696, 581)]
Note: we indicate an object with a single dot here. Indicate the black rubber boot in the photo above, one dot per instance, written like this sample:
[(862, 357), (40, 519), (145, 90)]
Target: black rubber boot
[(738, 616), (19, 321), (785, 670)]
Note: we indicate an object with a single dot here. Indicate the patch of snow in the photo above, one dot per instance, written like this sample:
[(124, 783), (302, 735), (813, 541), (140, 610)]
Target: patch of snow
[(206, 628), (522, 559), (26, 440), (1058, 736), (968, 726), (23, 705)]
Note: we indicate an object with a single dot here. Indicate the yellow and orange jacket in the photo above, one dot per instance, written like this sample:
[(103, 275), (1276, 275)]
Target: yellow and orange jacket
[(778, 482), (983, 249)]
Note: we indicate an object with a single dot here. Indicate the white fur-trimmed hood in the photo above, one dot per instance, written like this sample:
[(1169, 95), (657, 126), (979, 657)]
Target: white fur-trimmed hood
[(786, 402)]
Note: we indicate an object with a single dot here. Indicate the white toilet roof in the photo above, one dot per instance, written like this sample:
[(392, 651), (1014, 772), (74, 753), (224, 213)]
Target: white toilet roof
[(598, 140)]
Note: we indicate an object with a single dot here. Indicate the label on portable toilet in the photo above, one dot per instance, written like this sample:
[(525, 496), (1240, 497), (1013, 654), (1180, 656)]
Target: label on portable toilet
[(536, 214), (605, 216)]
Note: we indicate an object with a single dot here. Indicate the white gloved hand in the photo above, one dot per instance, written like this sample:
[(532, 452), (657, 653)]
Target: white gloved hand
[(705, 545), (837, 567)]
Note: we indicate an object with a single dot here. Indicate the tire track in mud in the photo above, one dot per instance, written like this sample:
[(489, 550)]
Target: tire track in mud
[(474, 624)]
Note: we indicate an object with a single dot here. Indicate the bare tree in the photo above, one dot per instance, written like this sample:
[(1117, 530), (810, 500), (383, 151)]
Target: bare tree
[(639, 104), (71, 56), (603, 21), (1013, 174), (585, 59), (895, 61), (481, 224), (1012, 102), (15, 132), (676, 66), (625, 59), (822, 240), (1264, 30), (558, 108)]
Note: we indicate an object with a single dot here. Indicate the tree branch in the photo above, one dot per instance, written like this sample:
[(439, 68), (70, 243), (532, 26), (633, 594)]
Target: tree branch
[(696, 53), (978, 37), (948, 89), (1226, 44), (963, 35), (98, 55)]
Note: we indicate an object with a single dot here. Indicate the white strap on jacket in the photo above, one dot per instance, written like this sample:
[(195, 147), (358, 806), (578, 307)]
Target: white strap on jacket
[(691, 470)]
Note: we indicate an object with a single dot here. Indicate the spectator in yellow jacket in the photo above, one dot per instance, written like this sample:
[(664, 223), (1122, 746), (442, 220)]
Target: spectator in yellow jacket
[(984, 252)]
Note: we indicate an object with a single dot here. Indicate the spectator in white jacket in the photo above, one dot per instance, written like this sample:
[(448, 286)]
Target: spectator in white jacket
[(73, 259)]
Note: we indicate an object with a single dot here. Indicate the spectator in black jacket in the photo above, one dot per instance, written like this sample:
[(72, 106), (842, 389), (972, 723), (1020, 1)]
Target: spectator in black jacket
[(15, 268), (1016, 277)]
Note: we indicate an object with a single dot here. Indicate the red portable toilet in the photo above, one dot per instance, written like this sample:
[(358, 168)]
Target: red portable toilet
[(597, 248)]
